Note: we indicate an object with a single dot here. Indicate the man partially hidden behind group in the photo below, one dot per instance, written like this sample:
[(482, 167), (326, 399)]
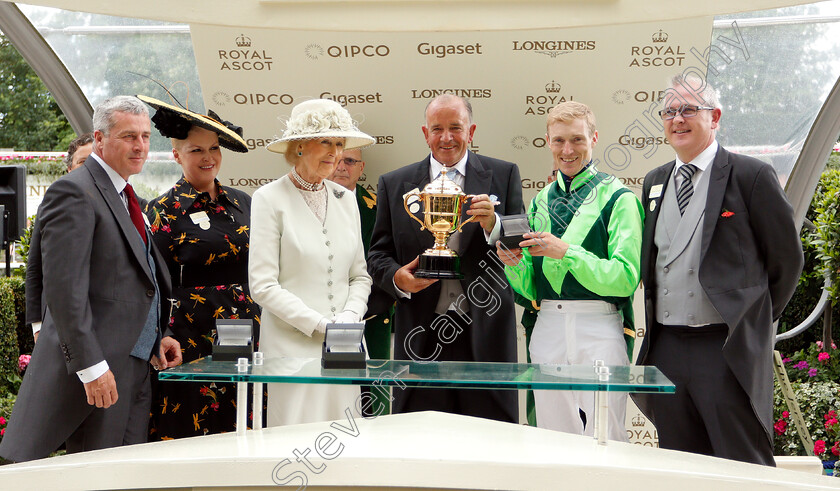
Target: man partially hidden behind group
[(380, 307), (88, 381), (464, 320), (721, 257), (581, 266)]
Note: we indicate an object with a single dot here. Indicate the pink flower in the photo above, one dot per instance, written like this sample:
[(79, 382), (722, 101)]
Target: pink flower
[(819, 344), (23, 362), (819, 447), (785, 360), (727, 214), (802, 365), (835, 450), (785, 414), (812, 372), (2, 420), (823, 356), (780, 427), (2, 431)]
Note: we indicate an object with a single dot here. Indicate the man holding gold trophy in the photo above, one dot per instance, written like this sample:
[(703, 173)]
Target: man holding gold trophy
[(453, 301)]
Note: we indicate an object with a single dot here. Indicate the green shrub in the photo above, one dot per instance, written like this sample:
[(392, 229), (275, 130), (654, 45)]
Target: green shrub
[(26, 343), (49, 166), (6, 404), (822, 257), (9, 351)]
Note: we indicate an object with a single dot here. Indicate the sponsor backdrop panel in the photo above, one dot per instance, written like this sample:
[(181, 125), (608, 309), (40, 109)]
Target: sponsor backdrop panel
[(255, 76)]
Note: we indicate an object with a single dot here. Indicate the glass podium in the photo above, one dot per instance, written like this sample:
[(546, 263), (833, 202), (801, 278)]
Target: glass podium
[(599, 378)]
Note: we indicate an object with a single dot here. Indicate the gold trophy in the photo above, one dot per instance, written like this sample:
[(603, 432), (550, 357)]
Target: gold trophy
[(442, 201)]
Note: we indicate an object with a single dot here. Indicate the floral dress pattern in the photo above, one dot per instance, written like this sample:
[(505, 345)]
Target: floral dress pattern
[(205, 244)]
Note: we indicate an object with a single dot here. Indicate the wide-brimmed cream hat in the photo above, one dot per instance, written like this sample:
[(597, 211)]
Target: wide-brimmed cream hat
[(175, 122), (320, 118)]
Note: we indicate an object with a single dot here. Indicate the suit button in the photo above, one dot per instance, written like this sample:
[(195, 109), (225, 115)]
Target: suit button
[(690, 294), (559, 307), (150, 293), (665, 269), (665, 291), (667, 314)]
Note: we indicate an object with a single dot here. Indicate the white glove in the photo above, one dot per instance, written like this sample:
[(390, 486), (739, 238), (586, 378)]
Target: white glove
[(347, 317), (322, 325)]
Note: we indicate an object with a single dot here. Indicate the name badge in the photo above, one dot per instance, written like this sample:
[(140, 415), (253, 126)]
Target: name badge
[(655, 191), (201, 219), (413, 201)]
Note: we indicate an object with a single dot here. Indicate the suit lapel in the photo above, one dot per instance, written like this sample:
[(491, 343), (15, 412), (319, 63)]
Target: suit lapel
[(117, 208), (652, 209), (477, 181), (721, 168), (418, 182)]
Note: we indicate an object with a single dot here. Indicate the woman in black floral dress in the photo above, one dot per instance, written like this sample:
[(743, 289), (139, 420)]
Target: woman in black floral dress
[(201, 229)]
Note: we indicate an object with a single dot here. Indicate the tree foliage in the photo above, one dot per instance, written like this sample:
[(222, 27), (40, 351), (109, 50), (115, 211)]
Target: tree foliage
[(30, 119)]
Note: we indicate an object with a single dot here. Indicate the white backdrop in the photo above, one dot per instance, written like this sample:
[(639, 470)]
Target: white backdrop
[(254, 77)]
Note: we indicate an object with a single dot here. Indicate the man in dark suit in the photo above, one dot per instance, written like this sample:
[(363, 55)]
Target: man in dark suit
[(721, 257), (470, 319), (78, 151), (103, 282)]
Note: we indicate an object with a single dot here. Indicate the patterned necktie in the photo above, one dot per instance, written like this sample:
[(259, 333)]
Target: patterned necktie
[(134, 211), (686, 189)]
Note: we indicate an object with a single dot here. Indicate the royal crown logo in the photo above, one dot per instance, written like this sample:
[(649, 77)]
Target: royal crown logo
[(243, 41), (660, 37), (552, 87), (638, 420)]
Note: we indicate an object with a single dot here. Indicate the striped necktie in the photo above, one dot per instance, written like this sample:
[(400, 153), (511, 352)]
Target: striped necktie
[(686, 190)]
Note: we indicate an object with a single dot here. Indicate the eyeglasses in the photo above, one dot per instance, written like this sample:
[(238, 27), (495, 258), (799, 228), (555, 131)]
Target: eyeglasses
[(685, 111), (349, 162)]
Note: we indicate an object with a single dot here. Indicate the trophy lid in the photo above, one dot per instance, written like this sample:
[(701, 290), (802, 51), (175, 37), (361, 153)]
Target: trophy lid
[(443, 184)]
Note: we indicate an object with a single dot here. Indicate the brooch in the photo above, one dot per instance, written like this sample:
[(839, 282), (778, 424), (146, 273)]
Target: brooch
[(338, 194)]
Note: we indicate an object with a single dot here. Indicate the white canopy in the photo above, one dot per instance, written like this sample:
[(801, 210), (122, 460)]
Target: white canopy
[(413, 15)]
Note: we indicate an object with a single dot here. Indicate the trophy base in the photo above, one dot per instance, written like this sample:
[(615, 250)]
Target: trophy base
[(439, 267)]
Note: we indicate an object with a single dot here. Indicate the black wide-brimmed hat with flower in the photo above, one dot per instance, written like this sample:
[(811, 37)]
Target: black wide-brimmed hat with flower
[(320, 118), (175, 122)]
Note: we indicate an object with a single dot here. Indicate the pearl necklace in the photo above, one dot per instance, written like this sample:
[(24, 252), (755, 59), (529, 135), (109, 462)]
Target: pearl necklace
[(305, 184)]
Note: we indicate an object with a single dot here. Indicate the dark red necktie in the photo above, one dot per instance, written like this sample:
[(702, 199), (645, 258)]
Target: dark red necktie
[(134, 211)]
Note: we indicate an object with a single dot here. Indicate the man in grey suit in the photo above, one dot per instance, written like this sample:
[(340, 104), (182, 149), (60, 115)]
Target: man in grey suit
[(103, 282), (460, 320), (721, 257)]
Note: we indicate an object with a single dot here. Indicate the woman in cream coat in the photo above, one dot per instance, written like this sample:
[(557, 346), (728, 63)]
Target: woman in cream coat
[(307, 265)]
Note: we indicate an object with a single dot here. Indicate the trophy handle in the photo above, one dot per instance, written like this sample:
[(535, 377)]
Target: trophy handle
[(464, 199), (405, 205)]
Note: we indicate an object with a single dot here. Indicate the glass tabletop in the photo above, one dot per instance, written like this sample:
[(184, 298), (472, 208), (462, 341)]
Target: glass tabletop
[(428, 374)]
